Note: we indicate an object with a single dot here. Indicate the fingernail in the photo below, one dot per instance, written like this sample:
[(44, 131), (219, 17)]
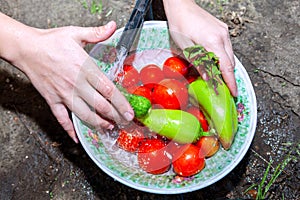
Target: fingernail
[(110, 127), (205, 76), (75, 139), (128, 116), (236, 93), (109, 25)]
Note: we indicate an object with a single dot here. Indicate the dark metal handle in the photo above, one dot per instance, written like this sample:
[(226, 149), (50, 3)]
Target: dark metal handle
[(134, 24)]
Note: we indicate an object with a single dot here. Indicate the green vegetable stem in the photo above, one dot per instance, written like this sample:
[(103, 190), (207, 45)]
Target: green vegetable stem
[(213, 96), (177, 125)]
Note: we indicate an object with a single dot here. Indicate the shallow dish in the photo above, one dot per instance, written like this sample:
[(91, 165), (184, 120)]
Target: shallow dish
[(155, 45)]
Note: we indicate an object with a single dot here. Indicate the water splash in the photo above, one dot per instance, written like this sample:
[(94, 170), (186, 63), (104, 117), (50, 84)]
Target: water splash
[(116, 72), (117, 68)]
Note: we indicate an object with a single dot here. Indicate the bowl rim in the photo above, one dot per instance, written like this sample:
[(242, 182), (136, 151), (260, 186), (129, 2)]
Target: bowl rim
[(225, 171)]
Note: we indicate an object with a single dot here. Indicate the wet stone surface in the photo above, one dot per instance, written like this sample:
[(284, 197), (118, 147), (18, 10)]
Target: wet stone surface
[(39, 161)]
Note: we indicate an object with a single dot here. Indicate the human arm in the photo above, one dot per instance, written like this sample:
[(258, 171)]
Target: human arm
[(57, 65), (191, 24)]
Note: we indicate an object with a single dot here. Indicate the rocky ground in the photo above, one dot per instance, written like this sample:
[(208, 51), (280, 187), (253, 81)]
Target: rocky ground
[(39, 161)]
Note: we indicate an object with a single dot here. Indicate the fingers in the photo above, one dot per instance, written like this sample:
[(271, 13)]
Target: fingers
[(229, 78), (229, 50), (62, 116), (109, 91), (95, 34), (227, 70), (202, 71), (100, 105), (96, 100), (222, 47), (84, 112)]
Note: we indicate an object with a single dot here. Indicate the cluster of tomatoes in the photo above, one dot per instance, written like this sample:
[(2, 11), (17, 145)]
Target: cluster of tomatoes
[(166, 88)]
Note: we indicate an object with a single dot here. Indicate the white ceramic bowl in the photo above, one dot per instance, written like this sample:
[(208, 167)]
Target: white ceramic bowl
[(123, 167)]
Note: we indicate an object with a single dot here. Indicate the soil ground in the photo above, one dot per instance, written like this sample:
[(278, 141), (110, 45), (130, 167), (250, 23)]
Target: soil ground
[(39, 161)]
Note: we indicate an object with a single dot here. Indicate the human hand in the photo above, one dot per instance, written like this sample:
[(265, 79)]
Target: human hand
[(189, 24), (65, 75)]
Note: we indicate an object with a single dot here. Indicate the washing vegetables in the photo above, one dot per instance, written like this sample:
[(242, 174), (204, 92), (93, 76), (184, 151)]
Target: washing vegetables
[(180, 118)]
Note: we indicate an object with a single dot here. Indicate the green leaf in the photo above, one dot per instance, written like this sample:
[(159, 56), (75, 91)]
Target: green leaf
[(199, 57)]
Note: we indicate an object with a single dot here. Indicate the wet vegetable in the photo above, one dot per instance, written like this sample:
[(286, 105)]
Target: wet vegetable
[(130, 140), (200, 116), (188, 160), (151, 74), (128, 77), (175, 67), (152, 156), (213, 96), (209, 145), (139, 104), (170, 94), (176, 125)]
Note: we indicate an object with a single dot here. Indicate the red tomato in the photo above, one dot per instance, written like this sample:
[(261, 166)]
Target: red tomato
[(132, 88), (173, 147), (188, 160), (129, 77), (200, 116), (151, 74), (175, 67), (170, 94), (143, 91), (192, 74), (130, 140), (152, 156), (150, 85), (209, 145)]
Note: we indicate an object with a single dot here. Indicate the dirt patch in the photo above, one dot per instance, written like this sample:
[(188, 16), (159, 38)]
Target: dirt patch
[(39, 161)]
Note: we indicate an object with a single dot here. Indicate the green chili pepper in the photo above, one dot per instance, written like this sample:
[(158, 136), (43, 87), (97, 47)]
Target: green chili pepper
[(177, 125), (213, 96)]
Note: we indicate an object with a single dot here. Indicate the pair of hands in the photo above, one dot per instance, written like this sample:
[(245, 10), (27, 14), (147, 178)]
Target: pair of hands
[(67, 78)]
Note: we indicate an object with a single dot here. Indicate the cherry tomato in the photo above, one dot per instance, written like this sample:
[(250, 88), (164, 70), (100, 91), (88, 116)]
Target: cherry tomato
[(188, 160), (130, 140), (175, 67), (129, 77), (132, 88), (209, 145), (200, 116), (192, 74), (173, 147), (170, 94), (143, 91), (151, 74), (152, 156), (150, 85)]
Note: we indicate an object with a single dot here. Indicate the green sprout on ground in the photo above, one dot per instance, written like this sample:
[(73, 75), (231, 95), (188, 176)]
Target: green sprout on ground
[(51, 195), (263, 187), (95, 7)]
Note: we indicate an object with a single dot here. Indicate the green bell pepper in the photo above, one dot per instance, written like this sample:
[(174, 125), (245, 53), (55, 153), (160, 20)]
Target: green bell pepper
[(213, 96), (177, 125)]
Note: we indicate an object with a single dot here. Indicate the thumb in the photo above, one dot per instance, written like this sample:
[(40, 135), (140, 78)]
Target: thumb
[(95, 34)]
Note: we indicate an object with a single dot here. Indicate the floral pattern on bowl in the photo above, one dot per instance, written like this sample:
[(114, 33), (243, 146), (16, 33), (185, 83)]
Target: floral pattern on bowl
[(123, 167)]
